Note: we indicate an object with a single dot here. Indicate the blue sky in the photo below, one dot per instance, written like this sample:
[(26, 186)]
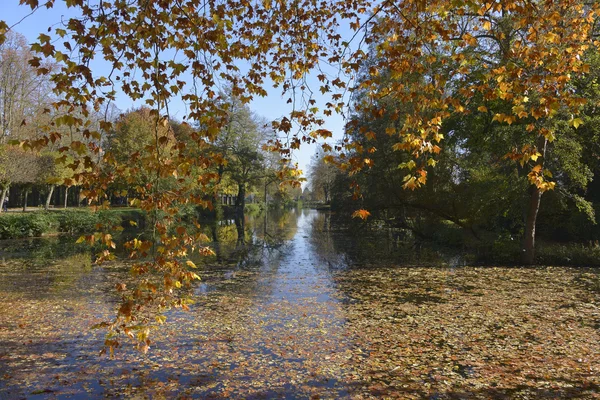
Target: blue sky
[(271, 107)]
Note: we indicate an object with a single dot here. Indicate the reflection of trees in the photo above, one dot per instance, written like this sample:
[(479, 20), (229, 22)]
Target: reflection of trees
[(340, 244), (40, 251), (43, 267), (240, 227), (234, 240), (277, 227), (247, 251), (323, 241)]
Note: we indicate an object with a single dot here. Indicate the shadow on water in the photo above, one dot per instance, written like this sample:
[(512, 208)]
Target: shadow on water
[(297, 305)]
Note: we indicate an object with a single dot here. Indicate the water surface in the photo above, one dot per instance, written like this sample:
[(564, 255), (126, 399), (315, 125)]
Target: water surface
[(296, 305)]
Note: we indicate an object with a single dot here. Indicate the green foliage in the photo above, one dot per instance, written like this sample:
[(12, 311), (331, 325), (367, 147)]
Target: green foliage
[(575, 254), (15, 226), (254, 208), (77, 221), (480, 181)]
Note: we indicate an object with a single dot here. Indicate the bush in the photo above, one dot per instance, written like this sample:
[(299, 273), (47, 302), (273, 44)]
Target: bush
[(77, 221), (575, 254), (16, 226), (253, 208), (26, 225), (109, 218)]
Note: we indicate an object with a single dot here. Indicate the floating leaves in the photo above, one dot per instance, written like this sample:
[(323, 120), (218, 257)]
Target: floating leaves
[(273, 321)]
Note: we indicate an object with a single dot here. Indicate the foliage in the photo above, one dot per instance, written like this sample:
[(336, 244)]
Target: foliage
[(433, 57), (15, 226), (254, 208), (33, 224), (322, 174)]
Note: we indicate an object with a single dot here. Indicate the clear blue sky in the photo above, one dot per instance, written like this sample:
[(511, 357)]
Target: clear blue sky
[(272, 107)]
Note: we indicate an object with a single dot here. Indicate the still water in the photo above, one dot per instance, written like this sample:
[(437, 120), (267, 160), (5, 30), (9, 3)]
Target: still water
[(297, 305)]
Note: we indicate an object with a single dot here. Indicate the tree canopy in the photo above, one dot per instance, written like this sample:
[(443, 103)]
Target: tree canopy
[(431, 60)]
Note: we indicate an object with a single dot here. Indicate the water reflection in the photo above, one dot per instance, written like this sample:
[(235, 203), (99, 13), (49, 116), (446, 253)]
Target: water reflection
[(342, 244), (298, 305)]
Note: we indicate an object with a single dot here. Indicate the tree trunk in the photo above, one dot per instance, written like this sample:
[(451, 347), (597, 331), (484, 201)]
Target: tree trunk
[(240, 201), (3, 196), (528, 251), (25, 200), (266, 202), (49, 198), (66, 195), (240, 228)]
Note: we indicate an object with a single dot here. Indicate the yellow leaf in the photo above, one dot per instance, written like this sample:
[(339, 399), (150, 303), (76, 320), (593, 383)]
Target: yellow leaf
[(410, 183), (482, 108), (196, 277), (410, 165), (576, 122), (190, 264), (498, 117)]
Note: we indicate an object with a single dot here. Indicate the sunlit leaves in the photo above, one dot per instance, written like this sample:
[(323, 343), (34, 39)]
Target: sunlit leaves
[(542, 59), (362, 214), (576, 122), (433, 57)]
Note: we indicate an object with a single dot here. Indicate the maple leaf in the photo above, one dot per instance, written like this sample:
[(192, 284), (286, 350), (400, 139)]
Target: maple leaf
[(362, 214)]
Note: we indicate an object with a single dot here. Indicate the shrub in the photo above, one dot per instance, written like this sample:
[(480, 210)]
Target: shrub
[(17, 226), (253, 208), (109, 218), (77, 221), (576, 254)]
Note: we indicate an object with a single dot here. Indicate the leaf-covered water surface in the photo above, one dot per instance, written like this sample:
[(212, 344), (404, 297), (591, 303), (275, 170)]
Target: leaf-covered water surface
[(289, 315)]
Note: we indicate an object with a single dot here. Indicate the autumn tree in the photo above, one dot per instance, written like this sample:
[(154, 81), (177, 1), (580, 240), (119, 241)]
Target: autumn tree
[(523, 52), (240, 143), (517, 57), (24, 94), (321, 176)]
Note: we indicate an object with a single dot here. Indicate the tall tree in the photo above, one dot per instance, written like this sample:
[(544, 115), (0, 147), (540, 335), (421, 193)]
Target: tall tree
[(24, 94), (322, 176), (240, 143)]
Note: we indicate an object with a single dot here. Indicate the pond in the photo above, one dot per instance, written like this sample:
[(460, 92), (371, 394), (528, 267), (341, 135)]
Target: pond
[(298, 305)]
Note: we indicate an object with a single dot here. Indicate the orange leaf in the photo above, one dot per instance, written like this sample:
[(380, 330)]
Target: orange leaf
[(363, 214)]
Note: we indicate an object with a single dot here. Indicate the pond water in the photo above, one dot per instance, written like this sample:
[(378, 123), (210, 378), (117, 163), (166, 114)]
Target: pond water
[(296, 305)]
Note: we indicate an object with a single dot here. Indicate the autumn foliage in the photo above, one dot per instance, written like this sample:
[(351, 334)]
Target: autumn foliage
[(517, 53)]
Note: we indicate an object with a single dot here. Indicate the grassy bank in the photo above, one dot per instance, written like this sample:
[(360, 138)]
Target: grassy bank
[(39, 223)]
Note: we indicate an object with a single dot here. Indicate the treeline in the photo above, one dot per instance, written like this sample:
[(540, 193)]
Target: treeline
[(139, 141), (480, 191)]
